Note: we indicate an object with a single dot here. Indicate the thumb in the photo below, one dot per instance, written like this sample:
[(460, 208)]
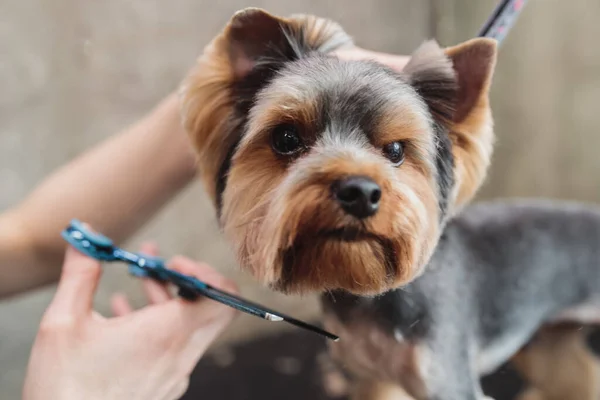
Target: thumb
[(77, 286)]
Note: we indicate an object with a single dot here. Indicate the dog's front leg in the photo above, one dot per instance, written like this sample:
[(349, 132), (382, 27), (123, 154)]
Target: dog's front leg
[(448, 370)]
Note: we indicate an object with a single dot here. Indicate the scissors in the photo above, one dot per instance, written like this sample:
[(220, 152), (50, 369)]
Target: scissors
[(101, 248)]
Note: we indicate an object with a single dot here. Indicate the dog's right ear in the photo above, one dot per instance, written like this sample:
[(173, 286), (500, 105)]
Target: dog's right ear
[(455, 84)]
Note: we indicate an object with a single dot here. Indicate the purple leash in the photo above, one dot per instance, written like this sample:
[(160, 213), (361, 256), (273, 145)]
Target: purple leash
[(502, 20)]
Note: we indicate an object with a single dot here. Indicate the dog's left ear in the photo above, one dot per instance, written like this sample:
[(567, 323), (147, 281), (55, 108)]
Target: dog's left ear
[(455, 83), (256, 36)]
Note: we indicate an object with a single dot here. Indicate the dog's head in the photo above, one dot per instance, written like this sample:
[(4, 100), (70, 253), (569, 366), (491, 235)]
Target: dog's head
[(330, 174)]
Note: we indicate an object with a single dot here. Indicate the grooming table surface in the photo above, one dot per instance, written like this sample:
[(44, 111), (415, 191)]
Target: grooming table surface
[(285, 367)]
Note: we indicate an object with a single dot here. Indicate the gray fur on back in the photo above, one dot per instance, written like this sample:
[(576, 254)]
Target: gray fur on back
[(520, 263)]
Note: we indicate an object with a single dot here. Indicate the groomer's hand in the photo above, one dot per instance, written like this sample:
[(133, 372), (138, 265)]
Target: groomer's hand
[(396, 62), (146, 354)]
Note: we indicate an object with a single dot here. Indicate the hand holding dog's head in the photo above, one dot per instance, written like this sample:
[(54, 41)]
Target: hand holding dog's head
[(330, 174)]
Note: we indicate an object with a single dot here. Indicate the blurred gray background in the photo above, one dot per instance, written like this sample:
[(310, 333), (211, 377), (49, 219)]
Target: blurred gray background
[(73, 72)]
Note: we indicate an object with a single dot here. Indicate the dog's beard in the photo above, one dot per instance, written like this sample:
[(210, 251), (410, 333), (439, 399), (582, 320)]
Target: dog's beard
[(296, 239), (350, 258)]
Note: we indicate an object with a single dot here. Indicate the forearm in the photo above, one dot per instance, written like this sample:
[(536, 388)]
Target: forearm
[(116, 187)]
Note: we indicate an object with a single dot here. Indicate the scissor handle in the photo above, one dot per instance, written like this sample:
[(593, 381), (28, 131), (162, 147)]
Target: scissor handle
[(92, 244), (97, 239)]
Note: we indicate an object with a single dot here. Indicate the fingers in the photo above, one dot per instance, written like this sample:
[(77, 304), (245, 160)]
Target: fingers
[(191, 327), (205, 320), (393, 61), (155, 292), (120, 305), (184, 316), (190, 316), (77, 286), (207, 314)]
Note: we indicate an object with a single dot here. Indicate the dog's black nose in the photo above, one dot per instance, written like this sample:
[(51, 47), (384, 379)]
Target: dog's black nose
[(358, 195)]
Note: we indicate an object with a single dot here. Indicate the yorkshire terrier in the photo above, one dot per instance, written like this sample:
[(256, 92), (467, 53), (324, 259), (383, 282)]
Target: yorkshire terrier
[(349, 179)]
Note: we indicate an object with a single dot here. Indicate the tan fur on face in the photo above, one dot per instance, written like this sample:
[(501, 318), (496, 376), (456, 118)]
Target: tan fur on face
[(278, 209), (272, 206)]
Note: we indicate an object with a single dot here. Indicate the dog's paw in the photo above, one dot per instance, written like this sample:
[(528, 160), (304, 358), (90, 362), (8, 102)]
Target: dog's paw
[(334, 382), (530, 394)]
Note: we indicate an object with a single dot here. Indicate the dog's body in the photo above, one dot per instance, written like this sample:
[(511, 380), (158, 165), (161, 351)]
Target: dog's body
[(500, 271), (339, 176)]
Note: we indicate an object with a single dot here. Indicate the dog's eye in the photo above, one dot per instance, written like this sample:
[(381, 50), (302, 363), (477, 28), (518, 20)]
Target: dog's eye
[(394, 152), (286, 140)]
